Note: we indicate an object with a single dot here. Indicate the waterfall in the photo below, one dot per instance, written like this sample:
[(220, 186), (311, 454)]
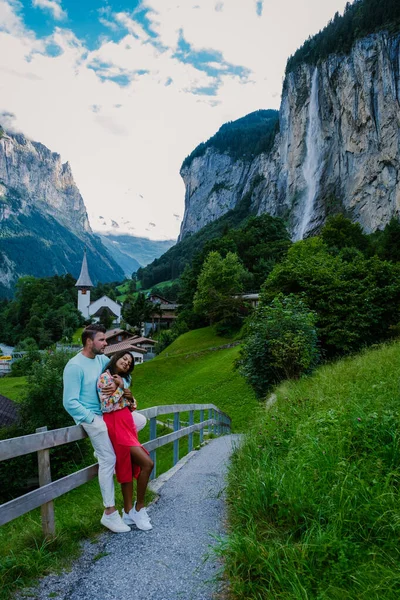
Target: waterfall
[(311, 166)]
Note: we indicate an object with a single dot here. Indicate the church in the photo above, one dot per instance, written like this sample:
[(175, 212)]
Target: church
[(140, 347), (94, 310)]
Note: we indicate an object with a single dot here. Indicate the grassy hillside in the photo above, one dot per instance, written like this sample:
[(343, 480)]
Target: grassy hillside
[(196, 341), (314, 492), (123, 289), (204, 378)]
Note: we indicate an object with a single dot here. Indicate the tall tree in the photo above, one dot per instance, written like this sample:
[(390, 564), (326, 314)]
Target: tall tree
[(219, 286)]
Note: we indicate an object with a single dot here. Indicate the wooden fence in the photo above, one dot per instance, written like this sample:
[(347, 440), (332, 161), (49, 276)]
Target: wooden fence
[(210, 418)]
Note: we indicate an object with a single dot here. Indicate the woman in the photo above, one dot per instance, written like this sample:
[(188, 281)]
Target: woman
[(133, 461)]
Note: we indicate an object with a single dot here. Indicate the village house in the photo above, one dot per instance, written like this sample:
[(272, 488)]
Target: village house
[(128, 346), (141, 348), (114, 336), (163, 316)]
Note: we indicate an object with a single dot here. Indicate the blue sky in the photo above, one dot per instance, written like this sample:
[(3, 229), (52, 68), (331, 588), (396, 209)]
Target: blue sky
[(125, 90)]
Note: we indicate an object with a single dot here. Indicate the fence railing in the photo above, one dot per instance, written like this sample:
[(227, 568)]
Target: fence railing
[(210, 418)]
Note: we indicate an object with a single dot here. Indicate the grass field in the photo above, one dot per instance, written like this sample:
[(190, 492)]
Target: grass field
[(314, 501), (196, 341), (76, 338), (124, 288), (190, 374), (13, 387)]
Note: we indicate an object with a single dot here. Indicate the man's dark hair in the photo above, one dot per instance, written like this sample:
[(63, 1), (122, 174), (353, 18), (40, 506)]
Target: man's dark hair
[(113, 361), (91, 330)]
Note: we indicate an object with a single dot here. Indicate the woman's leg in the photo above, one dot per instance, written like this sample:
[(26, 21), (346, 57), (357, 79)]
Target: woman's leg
[(127, 494), (143, 460)]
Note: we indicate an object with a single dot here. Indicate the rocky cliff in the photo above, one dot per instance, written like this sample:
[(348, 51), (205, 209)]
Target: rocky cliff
[(43, 222), (337, 150)]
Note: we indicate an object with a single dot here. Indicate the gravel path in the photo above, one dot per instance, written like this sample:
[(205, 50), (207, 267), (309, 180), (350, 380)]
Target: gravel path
[(171, 561)]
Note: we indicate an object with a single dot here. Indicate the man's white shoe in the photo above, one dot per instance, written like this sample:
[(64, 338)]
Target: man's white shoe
[(114, 523), (140, 518)]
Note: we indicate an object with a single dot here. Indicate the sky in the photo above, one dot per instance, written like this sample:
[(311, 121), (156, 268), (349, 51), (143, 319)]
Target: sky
[(125, 90)]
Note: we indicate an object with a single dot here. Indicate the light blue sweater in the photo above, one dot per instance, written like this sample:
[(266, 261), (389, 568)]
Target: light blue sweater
[(80, 387)]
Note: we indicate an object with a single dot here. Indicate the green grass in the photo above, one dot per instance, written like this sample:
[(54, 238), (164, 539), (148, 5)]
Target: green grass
[(13, 387), (314, 502), (124, 288), (76, 338), (197, 340), (205, 378), (185, 377)]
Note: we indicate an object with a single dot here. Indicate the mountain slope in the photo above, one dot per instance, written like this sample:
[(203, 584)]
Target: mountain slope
[(132, 252), (44, 227)]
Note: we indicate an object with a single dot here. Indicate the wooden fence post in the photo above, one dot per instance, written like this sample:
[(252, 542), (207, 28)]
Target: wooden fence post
[(191, 422), (153, 455), (201, 430), (177, 426), (47, 510)]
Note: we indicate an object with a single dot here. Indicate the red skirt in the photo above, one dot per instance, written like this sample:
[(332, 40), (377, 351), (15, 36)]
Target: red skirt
[(123, 435)]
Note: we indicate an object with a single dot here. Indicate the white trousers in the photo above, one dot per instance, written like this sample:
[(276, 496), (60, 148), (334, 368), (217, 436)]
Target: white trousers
[(139, 420), (98, 434)]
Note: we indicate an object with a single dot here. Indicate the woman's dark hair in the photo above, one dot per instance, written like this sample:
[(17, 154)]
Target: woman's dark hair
[(111, 366)]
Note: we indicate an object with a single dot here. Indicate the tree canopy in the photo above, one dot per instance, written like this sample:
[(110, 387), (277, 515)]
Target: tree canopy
[(243, 139), (360, 18)]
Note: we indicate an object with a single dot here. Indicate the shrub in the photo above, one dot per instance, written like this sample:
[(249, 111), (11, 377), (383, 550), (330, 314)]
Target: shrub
[(280, 343), (23, 365), (356, 299), (165, 339), (170, 335)]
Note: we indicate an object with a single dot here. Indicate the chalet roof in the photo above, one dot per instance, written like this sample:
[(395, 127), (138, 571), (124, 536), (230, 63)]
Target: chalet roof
[(84, 280), (112, 332), (126, 345), (143, 340), (160, 299), (8, 411)]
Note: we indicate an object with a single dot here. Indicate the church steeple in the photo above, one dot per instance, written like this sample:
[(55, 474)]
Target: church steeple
[(84, 280), (84, 284)]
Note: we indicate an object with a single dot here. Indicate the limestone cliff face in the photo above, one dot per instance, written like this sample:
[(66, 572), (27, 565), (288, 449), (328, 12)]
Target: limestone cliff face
[(338, 149), (214, 184), (41, 180), (44, 228)]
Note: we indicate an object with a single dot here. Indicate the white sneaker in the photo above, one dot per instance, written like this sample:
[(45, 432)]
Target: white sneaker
[(114, 523), (129, 521), (140, 518)]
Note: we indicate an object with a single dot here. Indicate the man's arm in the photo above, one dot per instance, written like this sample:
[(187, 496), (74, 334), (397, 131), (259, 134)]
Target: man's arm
[(72, 388)]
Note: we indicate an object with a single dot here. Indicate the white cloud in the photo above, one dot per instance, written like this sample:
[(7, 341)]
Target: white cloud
[(10, 21), (53, 6), (126, 153), (110, 24)]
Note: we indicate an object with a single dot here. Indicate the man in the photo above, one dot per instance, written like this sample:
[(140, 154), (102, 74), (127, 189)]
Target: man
[(81, 402)]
